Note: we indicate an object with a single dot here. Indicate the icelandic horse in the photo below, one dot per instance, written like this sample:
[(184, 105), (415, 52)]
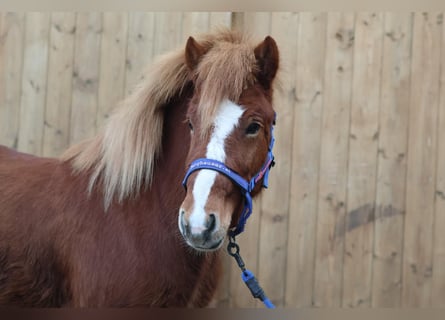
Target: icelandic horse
[(108, 223)]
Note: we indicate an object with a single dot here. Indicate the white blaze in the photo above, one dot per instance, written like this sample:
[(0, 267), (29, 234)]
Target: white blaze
[(226, 120)]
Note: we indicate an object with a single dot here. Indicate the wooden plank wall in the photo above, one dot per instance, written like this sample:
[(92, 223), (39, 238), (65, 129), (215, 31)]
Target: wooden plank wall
[(356, 205)]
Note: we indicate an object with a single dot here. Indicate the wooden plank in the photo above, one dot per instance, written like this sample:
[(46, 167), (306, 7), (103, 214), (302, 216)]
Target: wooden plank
[(275, 200), (438, 281), (305, 159), (391, 173), (85, 76), (194, 23), (333, 160), (112, 63), (58, 95), (12, 31), (422, 152), (362, 163), (168, 32), (220, 20), (34, 80), (140, 46), (237, 22), (258, 25)]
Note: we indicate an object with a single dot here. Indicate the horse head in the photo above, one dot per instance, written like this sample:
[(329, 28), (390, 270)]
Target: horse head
[(230, 119)]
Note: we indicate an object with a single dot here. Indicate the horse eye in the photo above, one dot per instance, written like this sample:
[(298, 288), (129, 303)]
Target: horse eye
[(252, 128), (190, 125)]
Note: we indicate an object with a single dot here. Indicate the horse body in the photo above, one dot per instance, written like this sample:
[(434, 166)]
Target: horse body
[(99, 226), (67, 251)]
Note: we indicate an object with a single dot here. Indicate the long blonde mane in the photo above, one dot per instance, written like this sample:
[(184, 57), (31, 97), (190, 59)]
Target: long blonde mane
[(123, 155)]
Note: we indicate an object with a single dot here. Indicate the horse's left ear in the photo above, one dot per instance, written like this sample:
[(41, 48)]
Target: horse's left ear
[(267, 56), (193, 53)]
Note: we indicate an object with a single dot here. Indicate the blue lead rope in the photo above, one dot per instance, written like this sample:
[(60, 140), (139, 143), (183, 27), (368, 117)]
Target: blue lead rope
[(247, 275)]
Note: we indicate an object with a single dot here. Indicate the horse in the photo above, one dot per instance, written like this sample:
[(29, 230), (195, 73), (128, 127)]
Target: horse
[(108, 223)]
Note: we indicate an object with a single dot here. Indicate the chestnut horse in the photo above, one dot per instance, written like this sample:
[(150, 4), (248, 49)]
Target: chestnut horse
[(99, 226)]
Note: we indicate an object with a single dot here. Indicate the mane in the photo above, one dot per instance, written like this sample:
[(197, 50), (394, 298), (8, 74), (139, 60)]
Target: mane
[(123, 155)]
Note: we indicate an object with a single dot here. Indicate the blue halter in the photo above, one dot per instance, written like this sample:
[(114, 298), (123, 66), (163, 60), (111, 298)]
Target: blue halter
[(245, 186)]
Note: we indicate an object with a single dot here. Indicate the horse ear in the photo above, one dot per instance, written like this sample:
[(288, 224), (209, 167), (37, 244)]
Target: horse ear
[(193, 53), (267, 56)]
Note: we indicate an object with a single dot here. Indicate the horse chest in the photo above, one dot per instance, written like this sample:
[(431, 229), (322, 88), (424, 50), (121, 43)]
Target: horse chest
[(145, 275)]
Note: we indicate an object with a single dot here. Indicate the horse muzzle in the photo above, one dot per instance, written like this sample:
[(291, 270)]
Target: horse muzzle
[(204, 236)]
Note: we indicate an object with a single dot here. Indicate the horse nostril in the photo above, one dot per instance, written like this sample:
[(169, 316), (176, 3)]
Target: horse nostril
[(184, 225), (211, 223)]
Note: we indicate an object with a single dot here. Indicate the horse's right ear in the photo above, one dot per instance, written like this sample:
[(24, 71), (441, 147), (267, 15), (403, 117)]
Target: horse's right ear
[(267, 57), (193, 53)]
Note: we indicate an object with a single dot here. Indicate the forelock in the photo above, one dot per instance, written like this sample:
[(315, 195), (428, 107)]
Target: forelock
[(224, 72)]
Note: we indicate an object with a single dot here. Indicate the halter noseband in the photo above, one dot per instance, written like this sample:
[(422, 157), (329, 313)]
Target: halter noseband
[(245, 186)]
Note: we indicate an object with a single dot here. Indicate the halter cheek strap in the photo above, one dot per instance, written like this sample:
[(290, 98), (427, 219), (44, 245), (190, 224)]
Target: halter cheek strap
[(245, 186)]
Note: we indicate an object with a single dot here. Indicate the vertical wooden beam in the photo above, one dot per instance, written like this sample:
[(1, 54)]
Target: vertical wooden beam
[(140, 47), (60, 72), (194, 23), (275, 200), (309, 97), (220, 19), (112, 63), (237, 22), (391, 172), (34, 81), (168, 31), (422, 153), (85, 76), (12, 33), (438, 281), (334, 160), (362, 165)]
